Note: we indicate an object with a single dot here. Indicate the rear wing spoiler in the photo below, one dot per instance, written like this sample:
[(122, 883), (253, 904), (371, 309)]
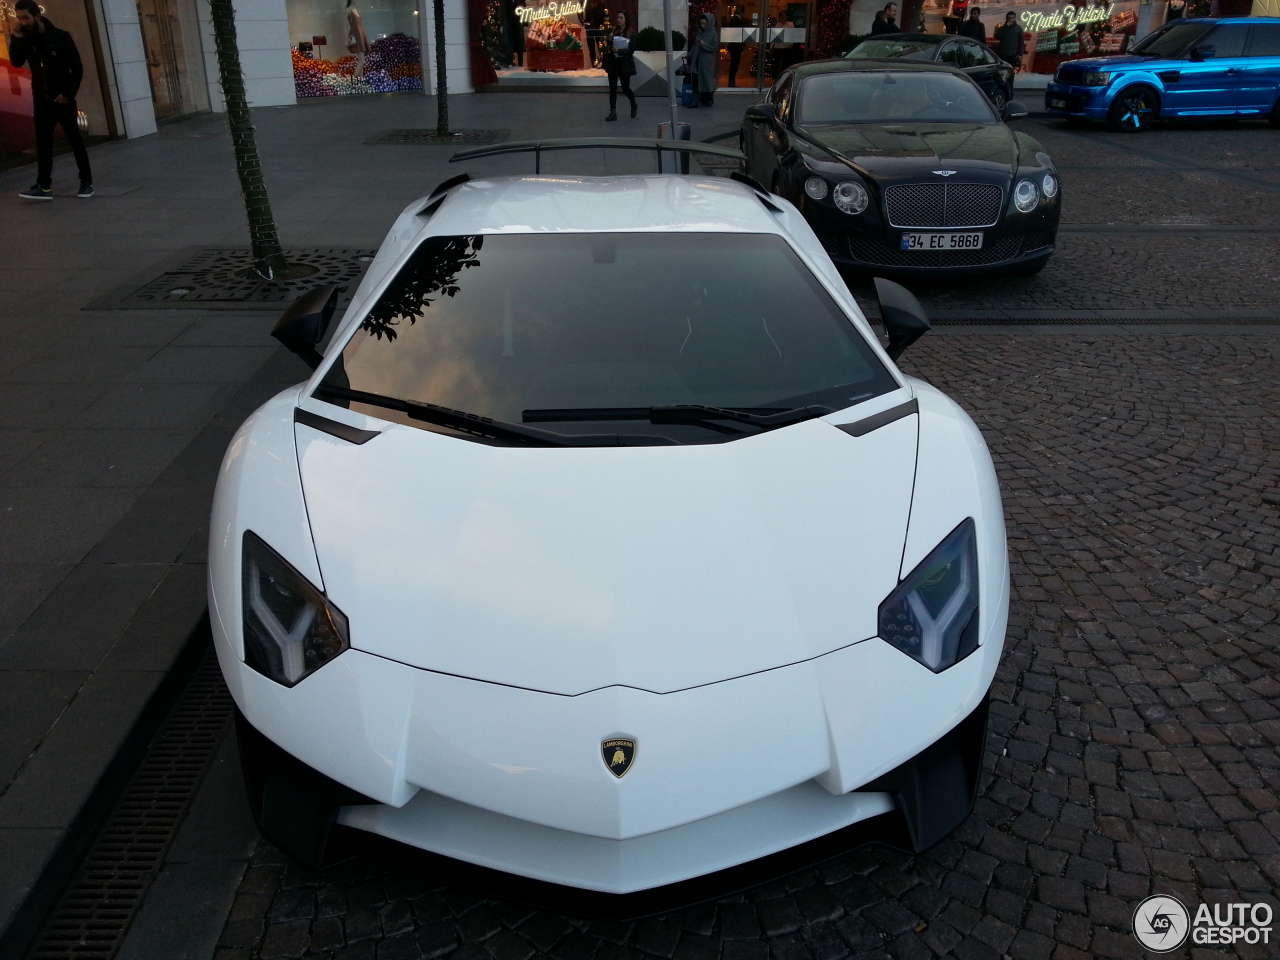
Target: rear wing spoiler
[(537, 147)]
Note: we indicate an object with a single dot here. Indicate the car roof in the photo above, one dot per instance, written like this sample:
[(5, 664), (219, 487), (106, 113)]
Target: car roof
[(915, 37), (577, 204), (872, 65)]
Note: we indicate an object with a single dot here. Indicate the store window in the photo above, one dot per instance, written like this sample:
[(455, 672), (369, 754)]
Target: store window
[(747, 51), (17, 130), (550, 39), (345, 47)]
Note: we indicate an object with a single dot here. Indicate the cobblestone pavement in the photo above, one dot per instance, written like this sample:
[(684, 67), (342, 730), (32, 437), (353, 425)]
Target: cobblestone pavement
[(1135, 730)]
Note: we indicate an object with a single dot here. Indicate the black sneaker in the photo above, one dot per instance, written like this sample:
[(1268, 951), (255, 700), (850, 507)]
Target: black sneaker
[(36, 192), (86, 190)]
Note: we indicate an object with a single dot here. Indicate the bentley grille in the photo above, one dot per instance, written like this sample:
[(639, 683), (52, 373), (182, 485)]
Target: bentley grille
[(944, 204)]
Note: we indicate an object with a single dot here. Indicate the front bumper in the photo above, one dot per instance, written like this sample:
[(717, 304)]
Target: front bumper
[(1008, 245), (512, 780), (1071, 100)]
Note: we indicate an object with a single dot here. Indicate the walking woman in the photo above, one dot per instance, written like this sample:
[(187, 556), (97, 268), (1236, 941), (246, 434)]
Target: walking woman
[(703, 61), (620, 64)]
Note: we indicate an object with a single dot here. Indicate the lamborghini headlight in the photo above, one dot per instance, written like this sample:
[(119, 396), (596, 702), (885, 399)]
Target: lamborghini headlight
[(290, 628), (932, 616)]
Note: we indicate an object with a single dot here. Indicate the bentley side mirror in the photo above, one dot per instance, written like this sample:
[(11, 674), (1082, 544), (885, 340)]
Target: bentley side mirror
[(1013, 110), (761, 112), (303, 325), (904, 319), (1205, 51)]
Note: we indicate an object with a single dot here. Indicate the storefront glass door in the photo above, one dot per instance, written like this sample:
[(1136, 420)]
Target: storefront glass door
[(172, 42)]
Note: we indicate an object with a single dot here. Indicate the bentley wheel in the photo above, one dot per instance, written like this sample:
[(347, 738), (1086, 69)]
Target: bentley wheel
[(1133, 110), (1000, 100)]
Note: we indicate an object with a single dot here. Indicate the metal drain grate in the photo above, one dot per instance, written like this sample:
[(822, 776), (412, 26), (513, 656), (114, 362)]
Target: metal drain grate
[(91, 919), (429, 137), (223, 277)]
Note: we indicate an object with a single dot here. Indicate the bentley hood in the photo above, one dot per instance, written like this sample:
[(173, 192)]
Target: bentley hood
[(894, 151), (570, 569)]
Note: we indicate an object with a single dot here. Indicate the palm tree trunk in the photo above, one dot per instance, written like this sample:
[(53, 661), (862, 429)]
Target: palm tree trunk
[(268, 257), (442, 86)]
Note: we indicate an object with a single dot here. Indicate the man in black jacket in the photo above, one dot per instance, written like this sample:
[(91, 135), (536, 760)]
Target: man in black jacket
[(973, 28), (56, 72), (889, 24)]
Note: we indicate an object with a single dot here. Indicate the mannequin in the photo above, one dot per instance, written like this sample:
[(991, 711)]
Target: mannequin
[(357, 41)]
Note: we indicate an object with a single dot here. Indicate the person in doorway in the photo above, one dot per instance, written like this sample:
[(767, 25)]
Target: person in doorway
[(56, 72), (1177, 10), (1010, 40), (735, 49), (973, 28), (620, 63), (703, 60), (784, 51), (890, 22)]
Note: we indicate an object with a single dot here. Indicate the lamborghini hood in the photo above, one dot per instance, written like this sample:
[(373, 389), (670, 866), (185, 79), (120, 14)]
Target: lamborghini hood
[(567, 569)]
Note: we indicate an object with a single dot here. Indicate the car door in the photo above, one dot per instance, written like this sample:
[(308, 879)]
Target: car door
[(1209, 80), (1260, 90), (768, 137), (980, 68)]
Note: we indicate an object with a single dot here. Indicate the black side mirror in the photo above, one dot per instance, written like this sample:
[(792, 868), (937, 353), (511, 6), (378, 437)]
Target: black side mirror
[(1205, 51), (904, 319), (1013, 110), (761, 112), (303, 325)]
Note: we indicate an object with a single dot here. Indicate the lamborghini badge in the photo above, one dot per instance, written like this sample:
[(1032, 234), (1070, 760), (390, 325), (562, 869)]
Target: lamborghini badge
[(618, 755)]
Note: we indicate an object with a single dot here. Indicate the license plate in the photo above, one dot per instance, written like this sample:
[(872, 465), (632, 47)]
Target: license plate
[(942, 241), (1060, 104)]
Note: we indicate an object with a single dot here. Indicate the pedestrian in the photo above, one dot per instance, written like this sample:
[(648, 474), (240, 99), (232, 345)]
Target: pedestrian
[(56, 72), (620, 63), (735, 49), (703, 60), (973, 28), (1010, 40), (889, 23), (784, 52)]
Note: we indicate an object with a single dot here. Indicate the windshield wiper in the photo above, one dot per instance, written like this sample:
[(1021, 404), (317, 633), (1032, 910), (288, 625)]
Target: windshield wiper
[(694, 413), (487, 427)]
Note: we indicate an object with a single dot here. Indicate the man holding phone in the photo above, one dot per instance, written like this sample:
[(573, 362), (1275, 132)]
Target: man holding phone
[(56, 72)]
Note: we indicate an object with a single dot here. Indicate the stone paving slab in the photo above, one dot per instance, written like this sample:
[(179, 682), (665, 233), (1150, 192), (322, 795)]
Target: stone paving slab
[(1135, 729)]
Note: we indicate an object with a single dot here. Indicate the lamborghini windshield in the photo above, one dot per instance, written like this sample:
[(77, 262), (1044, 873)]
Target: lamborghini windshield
[(890, 97), (511, 326)]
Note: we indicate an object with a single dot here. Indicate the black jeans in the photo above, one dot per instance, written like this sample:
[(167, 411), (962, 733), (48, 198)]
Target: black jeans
[(47, 116), (614, 80)]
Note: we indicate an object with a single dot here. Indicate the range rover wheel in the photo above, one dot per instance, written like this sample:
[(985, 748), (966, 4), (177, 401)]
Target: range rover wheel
[(1133, 109)]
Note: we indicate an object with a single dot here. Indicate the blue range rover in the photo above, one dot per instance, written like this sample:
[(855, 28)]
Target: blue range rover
[(1228, 67)]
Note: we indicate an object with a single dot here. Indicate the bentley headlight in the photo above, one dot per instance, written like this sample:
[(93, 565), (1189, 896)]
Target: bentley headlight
[(1026, 196), (290, 628), (932, 616), (1050, 186), (850, 196), (815, 187), (1095, 78)]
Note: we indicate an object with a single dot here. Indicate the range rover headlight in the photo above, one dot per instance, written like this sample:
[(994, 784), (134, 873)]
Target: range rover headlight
[(850, 196), (815, 187), (1050, 186), (1095, 78), (932, 616), (1026, 196), (290, 628)]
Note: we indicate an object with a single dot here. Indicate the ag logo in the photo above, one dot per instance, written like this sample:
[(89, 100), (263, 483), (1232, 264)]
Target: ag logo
[(618, 755), (1161, 923)]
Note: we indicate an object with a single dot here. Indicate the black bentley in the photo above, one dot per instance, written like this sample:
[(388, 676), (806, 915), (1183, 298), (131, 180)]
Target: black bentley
[(975, 59), (904, 166)]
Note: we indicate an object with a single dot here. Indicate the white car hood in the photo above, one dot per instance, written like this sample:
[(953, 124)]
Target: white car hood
[(566, 570)]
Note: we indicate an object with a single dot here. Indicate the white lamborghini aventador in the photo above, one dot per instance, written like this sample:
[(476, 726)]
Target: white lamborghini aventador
[(607, 547)]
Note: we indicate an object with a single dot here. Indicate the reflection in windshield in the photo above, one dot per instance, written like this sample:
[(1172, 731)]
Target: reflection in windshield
[(887, 49), (1173, 41), (892, 98), (504, 323)]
